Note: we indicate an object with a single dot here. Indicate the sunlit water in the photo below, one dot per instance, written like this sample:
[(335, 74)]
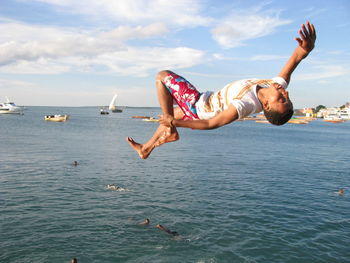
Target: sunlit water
[(247, 192)]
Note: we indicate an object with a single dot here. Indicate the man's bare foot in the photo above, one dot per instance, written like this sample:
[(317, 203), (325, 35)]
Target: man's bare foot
[(169, 135), (138, 148), (163, 135)]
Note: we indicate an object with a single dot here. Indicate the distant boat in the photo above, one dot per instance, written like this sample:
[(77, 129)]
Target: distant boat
[(333, 118), (262, 121), (113, 105), (104, 111), (298, 121), (9, 107), (140, 117), (335, 121), (151, 119), (56, 118)]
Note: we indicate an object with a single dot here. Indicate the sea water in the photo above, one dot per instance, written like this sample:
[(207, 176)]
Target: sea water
[(247, 192)]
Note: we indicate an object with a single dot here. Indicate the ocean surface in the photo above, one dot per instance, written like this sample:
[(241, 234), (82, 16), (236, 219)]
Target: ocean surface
[(247, 192)]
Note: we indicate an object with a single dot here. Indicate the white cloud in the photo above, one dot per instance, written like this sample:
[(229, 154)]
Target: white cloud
[(314, 12), (268, 57), (179, 12), (5, 83), (218, 56), (323, 72), (132, 61), (138, 61), (23, 42), (243, 25), (338, 52), (33, 49)]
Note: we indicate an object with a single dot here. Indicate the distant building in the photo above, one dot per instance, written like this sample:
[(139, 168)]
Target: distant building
[(309, 112)]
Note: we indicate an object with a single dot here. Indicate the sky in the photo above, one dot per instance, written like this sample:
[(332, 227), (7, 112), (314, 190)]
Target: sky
[(79, 53)]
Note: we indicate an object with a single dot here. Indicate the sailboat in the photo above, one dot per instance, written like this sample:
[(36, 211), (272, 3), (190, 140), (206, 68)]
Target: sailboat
[(112, 105)]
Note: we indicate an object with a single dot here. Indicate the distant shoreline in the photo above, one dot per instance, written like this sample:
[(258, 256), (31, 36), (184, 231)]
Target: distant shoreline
[(98, 106)]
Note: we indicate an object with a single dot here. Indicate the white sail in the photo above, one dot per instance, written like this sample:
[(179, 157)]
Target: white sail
[(112, 105)]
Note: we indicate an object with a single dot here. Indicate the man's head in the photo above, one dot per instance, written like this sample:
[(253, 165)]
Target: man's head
[(278, 109)]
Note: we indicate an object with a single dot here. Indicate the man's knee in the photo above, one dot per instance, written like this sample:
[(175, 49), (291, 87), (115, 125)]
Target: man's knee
[(162, 74)]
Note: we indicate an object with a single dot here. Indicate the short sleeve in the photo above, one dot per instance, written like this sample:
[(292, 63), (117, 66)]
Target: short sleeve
[(243, 108), (280, 81)]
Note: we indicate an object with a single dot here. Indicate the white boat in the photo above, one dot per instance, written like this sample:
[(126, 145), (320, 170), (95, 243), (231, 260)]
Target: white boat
[(104, 111), (56, 118), (9, 107), (113, 106), (337, 114), (345, 114)]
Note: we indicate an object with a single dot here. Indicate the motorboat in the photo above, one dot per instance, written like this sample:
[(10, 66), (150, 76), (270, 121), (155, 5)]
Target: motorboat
[(56, 118), (9, 107), (337, 115), (333, 118), (345, 113), (104, 111)]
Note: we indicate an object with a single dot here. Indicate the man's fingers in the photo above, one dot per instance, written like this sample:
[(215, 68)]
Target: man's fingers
[(305, 31), (301, 33), (313, 31), (309, 31), (309, 28)]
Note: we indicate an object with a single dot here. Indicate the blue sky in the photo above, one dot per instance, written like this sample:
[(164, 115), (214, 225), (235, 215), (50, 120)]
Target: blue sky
[(79, 53)]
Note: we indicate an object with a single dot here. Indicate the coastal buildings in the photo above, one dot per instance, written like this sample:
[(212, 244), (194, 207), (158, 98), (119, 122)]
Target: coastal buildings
[(335, 112), (341, 113)]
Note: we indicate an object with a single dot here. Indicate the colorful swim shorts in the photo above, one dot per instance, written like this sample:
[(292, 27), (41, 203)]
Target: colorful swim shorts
[(184, 94)]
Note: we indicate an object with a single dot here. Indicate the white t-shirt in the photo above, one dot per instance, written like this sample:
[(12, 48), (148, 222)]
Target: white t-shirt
[(211, 103)]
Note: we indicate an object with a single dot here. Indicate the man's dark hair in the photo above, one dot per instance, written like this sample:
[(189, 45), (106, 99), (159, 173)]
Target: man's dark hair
[(277, 118)]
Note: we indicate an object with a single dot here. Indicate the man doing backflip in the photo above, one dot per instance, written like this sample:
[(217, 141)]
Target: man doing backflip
[(211, 110)]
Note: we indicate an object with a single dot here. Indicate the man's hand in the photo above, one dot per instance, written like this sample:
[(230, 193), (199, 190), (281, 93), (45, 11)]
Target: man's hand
[(307, 39), (166, 120)]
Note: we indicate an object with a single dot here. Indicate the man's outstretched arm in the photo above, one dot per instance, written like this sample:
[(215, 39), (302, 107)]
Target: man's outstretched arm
[(227, 116), (306, 43)]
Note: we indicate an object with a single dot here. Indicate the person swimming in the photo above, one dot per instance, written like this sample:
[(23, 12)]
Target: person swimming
[(145, 222), (174, 233), (115, 187), (341, 191)]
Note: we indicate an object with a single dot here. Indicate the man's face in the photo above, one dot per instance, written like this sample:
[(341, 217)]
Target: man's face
[(279, 98)]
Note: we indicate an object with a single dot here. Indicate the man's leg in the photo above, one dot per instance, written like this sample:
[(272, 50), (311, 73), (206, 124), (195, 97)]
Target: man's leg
[(164, 97), (162, 135), (169, 86)]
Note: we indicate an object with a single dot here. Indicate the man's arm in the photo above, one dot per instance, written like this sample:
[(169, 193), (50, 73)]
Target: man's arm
[(306, 43), (227, 116)]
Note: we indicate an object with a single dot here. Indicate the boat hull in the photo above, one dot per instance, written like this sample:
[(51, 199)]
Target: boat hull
[(117, 110), (56, 118), (10, 112)]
